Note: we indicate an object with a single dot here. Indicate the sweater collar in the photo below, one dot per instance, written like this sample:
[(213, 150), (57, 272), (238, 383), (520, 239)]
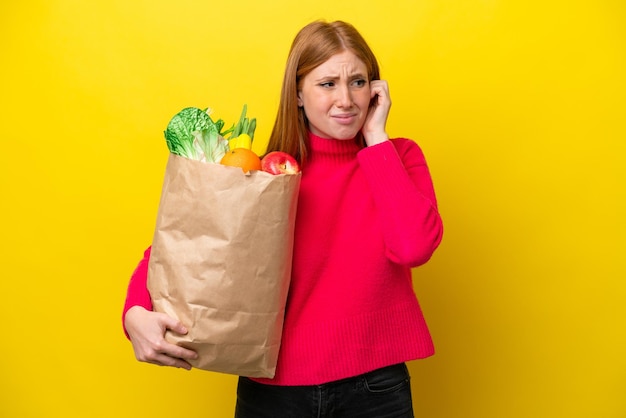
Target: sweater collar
[(332, 149)]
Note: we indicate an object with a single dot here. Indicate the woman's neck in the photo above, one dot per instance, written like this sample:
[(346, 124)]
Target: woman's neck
[(329, 148)]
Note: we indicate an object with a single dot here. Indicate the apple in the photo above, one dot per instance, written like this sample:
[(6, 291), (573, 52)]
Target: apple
[(279, 162)]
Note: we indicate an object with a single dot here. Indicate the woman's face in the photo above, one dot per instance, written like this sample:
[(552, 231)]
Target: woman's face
[(336, 96)]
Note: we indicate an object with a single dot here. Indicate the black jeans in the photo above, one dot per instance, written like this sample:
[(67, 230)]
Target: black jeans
[(382, 393)]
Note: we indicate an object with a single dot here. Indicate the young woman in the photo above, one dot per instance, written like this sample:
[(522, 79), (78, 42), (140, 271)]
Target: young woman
[(367, 214)]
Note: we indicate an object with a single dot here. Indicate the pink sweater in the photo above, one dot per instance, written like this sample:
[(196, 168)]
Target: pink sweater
[(365, 217)]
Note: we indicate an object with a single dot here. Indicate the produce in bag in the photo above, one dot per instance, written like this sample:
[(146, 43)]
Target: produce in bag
[(221, 254)]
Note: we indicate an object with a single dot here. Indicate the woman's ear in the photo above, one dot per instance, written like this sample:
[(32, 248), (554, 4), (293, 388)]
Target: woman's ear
[(300, 104)]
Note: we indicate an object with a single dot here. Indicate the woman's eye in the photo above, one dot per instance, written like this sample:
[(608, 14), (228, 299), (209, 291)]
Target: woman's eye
[(360, 82), (327, 84)]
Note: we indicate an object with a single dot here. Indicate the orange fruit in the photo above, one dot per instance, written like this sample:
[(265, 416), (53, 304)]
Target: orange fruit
[(242, 157)]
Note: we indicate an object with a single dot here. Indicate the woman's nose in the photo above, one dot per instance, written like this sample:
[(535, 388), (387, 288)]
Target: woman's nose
[(344, 97)]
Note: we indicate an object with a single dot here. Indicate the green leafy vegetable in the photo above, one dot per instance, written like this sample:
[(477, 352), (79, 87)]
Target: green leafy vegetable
[(213, 146), (244, 125), (191, 133)]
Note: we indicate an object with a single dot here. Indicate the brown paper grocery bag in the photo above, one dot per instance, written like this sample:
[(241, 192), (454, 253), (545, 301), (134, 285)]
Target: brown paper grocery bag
[(221, 262)]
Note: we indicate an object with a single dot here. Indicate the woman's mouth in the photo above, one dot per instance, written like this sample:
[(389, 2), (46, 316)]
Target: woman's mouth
[(344, 119)]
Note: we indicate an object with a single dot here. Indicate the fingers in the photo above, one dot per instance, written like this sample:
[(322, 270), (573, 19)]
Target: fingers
[(165, 360), (173, 324), (147, 334), (380, 89), (175, 351), (161, 359), (374, 128), (163, 353)]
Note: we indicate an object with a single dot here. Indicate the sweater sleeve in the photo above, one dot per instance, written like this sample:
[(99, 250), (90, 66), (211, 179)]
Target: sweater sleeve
[(403, 192), (137, 293)]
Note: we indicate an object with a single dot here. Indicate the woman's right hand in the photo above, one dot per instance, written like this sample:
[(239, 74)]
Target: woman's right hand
[(147, 334)]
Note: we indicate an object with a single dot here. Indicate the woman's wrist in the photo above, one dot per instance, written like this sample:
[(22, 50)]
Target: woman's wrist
[(376, 138)]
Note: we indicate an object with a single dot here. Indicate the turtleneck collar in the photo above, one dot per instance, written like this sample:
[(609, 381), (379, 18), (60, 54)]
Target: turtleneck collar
[(332, 149)]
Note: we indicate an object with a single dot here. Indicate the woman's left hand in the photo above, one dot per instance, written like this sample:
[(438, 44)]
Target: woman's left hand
[(374, 128)]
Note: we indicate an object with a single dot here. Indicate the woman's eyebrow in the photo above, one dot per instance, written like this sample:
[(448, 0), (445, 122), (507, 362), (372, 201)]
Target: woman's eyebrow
[(327, 77), (336, 77)]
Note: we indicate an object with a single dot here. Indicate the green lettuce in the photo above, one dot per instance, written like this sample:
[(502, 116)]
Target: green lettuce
[(192, 134)]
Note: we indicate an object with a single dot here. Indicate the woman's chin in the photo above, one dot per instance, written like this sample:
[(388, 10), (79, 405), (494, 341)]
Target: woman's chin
[(345, 134)]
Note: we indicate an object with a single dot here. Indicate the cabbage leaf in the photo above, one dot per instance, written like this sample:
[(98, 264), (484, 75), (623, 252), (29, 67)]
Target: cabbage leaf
[(191, 133)]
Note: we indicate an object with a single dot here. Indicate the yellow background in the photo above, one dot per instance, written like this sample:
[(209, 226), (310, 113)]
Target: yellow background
[(519, 106)]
